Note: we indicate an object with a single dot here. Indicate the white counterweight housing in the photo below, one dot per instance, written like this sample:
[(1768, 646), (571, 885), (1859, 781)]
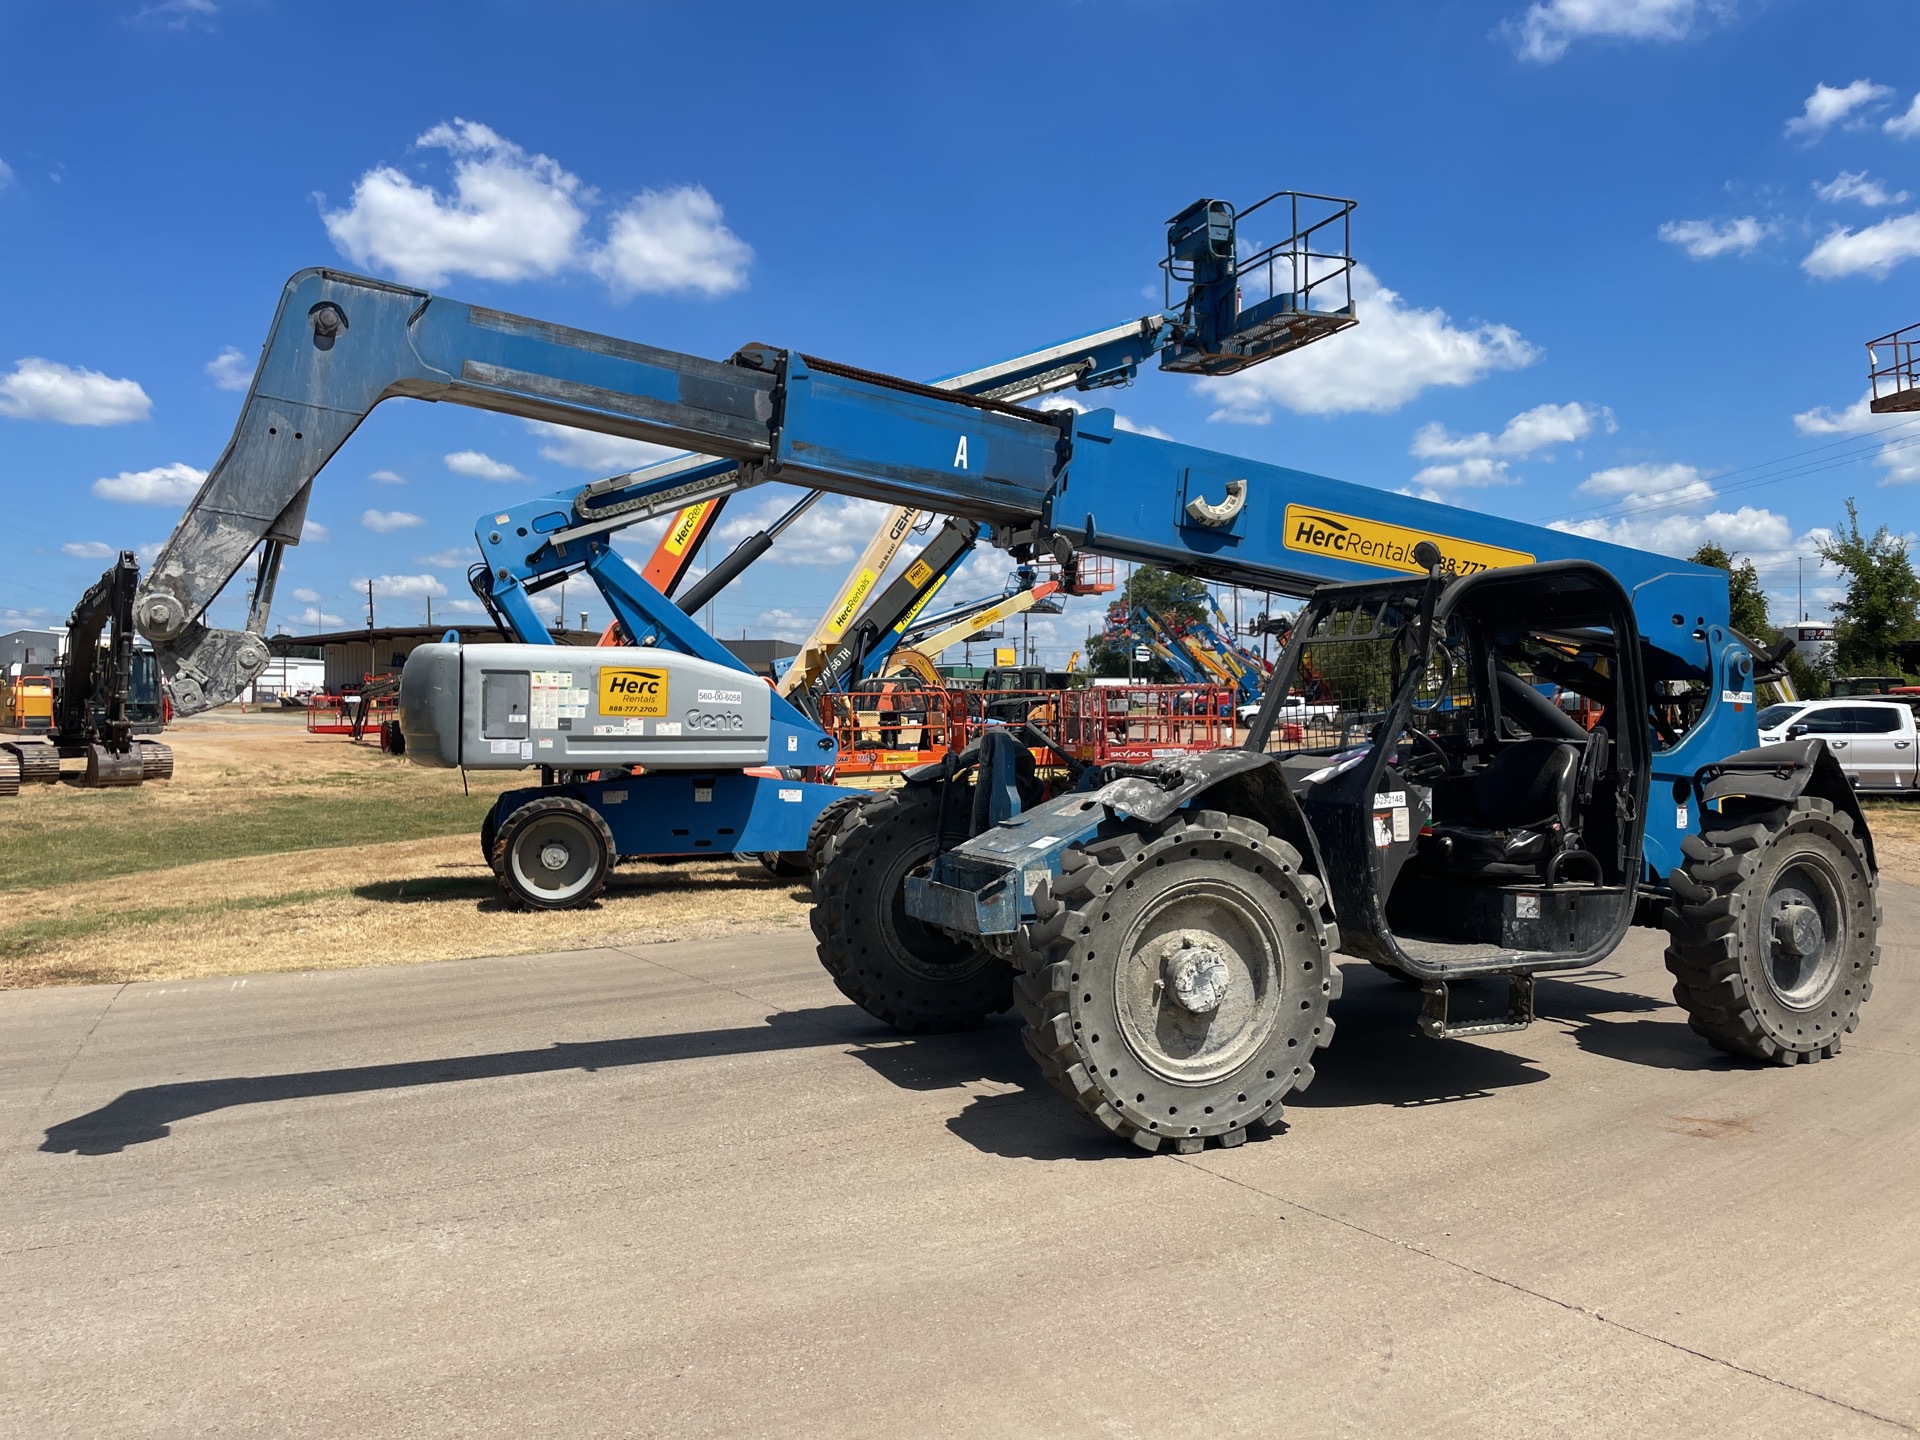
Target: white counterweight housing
[(507, 707)]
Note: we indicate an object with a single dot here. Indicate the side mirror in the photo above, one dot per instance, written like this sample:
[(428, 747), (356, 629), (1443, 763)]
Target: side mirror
[(1795, 732)]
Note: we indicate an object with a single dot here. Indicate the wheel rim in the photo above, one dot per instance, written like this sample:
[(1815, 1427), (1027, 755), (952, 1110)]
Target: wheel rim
[(1804, 927), (920, 949), (555, 857), (1198, 989)]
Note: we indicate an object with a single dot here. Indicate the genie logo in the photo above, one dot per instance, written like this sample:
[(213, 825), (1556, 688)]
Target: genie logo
[(716, 720)]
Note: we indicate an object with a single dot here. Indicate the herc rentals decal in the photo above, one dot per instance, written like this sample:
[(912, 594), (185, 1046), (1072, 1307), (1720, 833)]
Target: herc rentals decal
[(628, 691), (685, 526), (1375, 542)]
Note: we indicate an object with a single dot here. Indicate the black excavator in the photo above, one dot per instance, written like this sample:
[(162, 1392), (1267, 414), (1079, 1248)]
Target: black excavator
[(106, 697)]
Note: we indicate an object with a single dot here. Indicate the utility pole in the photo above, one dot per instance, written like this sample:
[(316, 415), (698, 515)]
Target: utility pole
[(1802, 606), (429, 612)]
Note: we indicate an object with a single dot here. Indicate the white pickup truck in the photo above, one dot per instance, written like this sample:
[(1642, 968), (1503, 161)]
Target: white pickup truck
[(1875, 741)]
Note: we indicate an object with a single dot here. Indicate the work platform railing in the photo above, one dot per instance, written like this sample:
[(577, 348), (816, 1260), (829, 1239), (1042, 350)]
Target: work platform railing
[(1893, 371)]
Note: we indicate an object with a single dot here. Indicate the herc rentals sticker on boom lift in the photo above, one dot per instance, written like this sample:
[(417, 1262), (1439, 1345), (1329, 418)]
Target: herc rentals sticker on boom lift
[(1376, 542)]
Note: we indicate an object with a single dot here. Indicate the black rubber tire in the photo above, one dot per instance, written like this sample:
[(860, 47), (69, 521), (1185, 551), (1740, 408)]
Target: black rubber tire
[(489, 832), (827, 822), (912, 976), (785, 864), (1085, 993), (1746, 989), (523, 861)]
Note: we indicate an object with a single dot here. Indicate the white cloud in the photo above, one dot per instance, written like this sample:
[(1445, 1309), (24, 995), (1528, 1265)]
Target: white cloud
[(789, 625), (230, 369), (6, 174), (1548, 27), (1874, 250), (1705, 239), (1856, 419), (1525, 434), (1080, 407), (31, 618), (465, 606), (313, 532), (307, 597), (509, 214), (480, 466), (1761, 535), (1828, 105), (89, 550), (173, 484), (1476, 473), (590, 450), (446, 559), (176, 14), (401, 586), (833, 532), (1379, 365), (1905, 125), (387, 477), (46, 390), (314, 618), (666, 240), (385, 522), (1899, 456), (1638, 486), (1857, 185)]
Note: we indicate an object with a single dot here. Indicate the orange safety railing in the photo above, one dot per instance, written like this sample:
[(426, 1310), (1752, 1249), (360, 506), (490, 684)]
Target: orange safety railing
[(893, 728), (335, 714), (1129, 724)]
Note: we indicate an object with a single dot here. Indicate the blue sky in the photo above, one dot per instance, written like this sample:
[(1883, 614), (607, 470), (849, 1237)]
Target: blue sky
[(1620, 255)]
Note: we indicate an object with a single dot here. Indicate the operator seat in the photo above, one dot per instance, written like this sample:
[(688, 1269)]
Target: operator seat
[(1521, 813)]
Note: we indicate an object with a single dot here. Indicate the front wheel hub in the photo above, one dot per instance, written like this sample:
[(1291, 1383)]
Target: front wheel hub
[(1196, 973), (1797, 930), (554, 856)]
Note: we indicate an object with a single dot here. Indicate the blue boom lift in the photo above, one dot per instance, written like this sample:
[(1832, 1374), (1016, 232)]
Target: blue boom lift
[(1168, 930)]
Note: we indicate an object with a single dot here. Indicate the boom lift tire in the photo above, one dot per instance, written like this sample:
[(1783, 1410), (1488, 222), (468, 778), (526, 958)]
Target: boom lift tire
[(553, 853), (914, 977), (1775, 927), (1177, 983), (826, 823)]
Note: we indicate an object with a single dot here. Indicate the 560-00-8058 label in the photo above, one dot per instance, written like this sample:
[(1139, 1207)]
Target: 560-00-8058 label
[(631, 690)]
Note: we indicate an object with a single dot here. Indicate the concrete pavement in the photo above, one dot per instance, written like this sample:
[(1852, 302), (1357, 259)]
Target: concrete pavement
[(684, 1189)]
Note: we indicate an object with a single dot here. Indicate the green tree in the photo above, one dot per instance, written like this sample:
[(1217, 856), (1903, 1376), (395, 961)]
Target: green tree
[(1169, 595), (1882, 606), (1749, 601)]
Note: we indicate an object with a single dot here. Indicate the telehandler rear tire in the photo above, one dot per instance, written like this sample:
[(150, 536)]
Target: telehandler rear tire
[(910, 975), (1775, 933), (1177, 980)]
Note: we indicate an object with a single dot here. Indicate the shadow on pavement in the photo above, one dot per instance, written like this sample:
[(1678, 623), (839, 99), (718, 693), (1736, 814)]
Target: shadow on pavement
[(149, 1113), (1377, 1058)]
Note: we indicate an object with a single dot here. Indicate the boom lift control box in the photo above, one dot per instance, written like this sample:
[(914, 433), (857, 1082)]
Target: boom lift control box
[(508, 707)]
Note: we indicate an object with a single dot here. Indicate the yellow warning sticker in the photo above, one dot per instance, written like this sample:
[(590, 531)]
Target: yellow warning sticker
[(918, 573), (685, 525), (626, 691), (856, 596), (1375, 542)]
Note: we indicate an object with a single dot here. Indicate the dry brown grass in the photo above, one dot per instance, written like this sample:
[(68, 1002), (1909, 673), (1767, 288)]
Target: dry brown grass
[(251, 794), (286, 907)]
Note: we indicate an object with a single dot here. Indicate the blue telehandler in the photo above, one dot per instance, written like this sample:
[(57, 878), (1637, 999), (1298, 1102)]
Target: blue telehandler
[(1168, 930)]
